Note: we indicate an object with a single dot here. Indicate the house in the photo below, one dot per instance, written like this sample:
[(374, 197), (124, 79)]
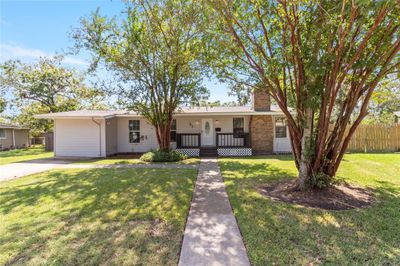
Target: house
[(12, 136), (227, 131), (397, 117)]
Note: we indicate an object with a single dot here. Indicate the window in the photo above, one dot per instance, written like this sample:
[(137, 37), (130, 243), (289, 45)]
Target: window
[(2, 133), (238, 127), (134, 131), (280, 128), (173, 131)]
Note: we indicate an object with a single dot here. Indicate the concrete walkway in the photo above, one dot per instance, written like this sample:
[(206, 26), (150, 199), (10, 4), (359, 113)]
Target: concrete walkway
[(212, 236)]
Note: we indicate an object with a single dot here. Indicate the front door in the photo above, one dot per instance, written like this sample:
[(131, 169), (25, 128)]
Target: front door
[(207, 132)]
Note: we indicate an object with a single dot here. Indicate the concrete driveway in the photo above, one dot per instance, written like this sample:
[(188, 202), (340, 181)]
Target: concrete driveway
[(16, 170)]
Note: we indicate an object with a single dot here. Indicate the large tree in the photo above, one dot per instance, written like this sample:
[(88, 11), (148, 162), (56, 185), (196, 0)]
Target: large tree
[(154, 49), (45, 86), (324, 58)]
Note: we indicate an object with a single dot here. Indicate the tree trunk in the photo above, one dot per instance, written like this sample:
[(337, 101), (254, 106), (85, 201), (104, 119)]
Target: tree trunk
[(305, 166), (163, 138)]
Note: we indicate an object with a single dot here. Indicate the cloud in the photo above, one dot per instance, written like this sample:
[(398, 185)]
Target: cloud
[(8, 51)]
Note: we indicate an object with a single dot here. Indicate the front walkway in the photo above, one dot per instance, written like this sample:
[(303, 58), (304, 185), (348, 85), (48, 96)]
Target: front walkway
[(212, 236)]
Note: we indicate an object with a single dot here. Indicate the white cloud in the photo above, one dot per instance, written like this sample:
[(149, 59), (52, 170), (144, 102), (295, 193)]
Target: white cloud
[(8, 51)]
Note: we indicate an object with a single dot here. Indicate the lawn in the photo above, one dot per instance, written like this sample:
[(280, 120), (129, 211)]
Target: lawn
[(281, 234), (19, 155), (95, 217), (131, 159)]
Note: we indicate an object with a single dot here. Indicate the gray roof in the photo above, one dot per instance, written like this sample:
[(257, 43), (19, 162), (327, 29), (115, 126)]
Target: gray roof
[(6, 125), (397, 113), (182, 111)]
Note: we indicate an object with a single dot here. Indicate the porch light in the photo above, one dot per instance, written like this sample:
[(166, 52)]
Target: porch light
[(217, 121), (197, 122)]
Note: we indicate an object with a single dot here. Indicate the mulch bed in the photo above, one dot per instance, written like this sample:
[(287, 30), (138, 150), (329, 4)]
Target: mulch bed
[(338, 197)]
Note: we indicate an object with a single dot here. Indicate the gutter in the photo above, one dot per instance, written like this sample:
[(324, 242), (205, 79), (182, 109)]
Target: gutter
[(99, 124)]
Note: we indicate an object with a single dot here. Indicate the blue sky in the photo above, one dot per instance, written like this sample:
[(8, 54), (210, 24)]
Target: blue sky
[(29, 29)]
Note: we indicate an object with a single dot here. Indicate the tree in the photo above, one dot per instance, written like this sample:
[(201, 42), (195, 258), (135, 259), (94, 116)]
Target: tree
[(155, 52), (323, 58), (384, 102), (46, 86)]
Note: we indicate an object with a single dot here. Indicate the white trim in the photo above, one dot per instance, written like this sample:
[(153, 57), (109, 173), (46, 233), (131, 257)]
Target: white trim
[(13, 135)]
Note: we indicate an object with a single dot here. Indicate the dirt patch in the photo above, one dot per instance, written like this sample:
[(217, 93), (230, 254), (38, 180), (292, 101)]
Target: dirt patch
[(339, 197)]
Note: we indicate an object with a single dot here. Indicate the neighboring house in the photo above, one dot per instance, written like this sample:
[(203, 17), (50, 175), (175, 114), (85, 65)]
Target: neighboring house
[(12, 137), (397, 117), (227, 131)]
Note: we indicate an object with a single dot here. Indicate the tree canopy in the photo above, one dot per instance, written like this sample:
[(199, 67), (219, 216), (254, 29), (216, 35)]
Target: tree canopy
[(154, 50), (46, 86), (323, 58)]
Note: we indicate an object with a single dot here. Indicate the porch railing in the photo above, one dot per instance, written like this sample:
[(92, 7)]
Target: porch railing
[(231, 140), (188, 140)]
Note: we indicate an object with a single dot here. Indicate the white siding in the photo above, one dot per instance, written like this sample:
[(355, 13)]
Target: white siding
[(148, 136), (79, 138)]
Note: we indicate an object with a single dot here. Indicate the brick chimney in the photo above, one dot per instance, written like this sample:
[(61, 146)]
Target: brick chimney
[(261, 100)]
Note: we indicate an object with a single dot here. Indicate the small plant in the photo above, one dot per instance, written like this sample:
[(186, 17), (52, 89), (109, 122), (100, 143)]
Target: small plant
[(163, 156), (321, 180)]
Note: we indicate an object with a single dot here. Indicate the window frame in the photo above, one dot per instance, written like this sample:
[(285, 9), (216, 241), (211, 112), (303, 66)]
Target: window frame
[(277, 136), (238, 132), (173, 129), (134, 131), (4, 131)]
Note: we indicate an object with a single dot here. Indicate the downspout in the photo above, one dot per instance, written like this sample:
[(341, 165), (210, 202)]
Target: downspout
[(99, 124), (13, 135)]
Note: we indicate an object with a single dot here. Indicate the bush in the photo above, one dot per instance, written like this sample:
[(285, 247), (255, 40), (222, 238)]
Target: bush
[(162, 156)]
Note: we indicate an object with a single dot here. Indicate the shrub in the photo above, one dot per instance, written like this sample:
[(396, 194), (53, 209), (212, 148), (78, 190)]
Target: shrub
[(163, 156)]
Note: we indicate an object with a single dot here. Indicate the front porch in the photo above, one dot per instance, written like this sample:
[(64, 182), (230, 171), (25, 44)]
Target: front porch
[(226, 144)]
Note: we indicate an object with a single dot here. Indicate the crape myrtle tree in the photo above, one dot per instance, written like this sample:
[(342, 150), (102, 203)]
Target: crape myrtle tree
[(154, 51), (323, 58)]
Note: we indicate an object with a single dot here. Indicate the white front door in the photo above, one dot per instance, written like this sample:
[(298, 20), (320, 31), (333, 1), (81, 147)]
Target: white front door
[(207, 132)]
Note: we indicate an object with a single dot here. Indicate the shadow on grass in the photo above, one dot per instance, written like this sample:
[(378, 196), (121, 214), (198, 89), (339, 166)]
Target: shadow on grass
[(281, 233), (96, 216)]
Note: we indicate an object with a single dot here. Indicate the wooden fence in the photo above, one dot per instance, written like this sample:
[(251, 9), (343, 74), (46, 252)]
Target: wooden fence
[(375, 138)]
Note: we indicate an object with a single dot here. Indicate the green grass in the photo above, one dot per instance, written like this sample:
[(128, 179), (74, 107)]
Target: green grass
[(95, 217), (280, 233), (130, 159), (19, 155)]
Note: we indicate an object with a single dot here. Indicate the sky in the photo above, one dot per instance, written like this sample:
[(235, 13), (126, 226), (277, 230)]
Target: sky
[(33, 28)]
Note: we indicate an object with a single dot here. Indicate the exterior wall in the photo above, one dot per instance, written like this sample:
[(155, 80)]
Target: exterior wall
[(147, 132), (21, 138), (111, 136), (192, 124), (262, 134), (79, 138)]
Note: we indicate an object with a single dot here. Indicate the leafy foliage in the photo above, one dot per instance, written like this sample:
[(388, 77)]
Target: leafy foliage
[(46, 86), (155, 53), (163, 156), (322, 58)]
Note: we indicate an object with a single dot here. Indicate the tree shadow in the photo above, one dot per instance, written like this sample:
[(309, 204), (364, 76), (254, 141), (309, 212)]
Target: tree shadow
[(282, 233), (90, 216)]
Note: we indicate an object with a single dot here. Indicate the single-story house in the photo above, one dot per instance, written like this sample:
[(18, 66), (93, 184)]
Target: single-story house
[(12, 137), (397, 116), (226, 131)]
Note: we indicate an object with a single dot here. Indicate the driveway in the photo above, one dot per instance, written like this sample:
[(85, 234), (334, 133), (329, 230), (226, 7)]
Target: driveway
[(16, 170)]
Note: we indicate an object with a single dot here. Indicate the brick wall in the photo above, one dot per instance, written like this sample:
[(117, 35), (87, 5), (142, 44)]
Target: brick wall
[(261, 101), (262, 134)]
